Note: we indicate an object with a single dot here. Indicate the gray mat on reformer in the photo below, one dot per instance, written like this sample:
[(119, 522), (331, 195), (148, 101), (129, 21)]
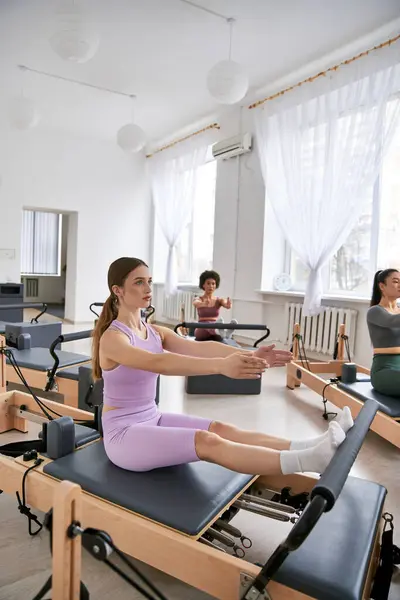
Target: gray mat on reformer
[(40, 359), (186, 497), (364, 391)]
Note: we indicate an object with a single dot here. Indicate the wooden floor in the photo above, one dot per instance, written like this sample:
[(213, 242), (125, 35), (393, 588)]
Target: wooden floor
[(25, 561)]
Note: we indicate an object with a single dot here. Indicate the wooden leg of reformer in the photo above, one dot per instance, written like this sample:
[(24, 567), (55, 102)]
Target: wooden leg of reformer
[(291, 381), (341, 334), (8, 420), (66, 551)]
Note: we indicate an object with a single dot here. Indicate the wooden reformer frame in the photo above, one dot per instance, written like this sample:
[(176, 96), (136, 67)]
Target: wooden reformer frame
[(308, 372), (221, 575)]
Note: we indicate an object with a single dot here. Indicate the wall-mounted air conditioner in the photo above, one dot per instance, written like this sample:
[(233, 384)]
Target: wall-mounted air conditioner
[(240, 144)]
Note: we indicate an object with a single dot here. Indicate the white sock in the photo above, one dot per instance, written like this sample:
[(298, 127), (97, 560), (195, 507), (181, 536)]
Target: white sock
[(314, 459), (345, 421)]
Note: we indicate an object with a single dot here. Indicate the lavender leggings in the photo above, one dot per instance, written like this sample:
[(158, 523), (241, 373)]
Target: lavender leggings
[(162, 440)]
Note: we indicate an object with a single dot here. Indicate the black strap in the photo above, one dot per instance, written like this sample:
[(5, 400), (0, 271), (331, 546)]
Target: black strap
[(23, 508), (389, 554), (84, 593)]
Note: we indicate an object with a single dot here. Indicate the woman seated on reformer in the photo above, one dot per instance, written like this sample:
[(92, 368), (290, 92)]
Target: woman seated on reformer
[(129, 354), (208, 307), (383, 319)]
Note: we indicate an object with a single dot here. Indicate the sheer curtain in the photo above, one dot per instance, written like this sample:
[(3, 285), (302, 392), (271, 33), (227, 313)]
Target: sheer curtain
[(173, 175), (321, 146)]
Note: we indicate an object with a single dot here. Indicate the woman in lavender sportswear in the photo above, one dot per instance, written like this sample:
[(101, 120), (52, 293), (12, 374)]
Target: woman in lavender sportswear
[(129, 354)]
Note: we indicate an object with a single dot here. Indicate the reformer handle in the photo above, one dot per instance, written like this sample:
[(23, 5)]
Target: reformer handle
[(333, 479), (98, 305), (63, 338)]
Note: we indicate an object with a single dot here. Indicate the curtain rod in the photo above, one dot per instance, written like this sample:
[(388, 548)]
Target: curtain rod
[(183, 139), (323, 73)]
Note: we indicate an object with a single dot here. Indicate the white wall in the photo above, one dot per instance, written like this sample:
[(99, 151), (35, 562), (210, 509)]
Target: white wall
[(107, 190)]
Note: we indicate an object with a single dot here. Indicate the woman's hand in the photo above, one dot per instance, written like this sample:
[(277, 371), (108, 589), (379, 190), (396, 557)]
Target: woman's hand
[(243, 365), (228, 303), (274, 358)]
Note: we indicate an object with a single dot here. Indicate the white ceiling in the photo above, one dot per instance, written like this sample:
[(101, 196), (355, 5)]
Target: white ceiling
[(161, 50)]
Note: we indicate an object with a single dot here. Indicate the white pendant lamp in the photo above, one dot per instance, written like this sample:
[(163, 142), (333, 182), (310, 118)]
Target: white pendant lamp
[(131, 138), (227, 81), (74, 38)]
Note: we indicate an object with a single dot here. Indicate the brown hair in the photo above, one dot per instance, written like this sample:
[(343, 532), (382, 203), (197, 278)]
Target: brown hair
[(117, 274)]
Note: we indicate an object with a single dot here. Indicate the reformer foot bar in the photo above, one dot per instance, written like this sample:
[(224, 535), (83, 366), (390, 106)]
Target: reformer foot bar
[(178, 519), (190, 326), (338, 391)]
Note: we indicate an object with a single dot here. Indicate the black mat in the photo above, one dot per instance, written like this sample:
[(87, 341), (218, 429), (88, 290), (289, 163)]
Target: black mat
[(185, 498), (363, 390)]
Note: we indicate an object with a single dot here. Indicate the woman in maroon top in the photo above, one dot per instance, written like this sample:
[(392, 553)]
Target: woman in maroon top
[(208, 306)]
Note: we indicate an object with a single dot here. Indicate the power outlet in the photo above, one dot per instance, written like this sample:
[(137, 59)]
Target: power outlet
[(7, 253)]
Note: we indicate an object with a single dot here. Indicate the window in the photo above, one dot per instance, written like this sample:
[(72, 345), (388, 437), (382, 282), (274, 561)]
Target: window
[(195, 247), (373, 244), (40, 243)]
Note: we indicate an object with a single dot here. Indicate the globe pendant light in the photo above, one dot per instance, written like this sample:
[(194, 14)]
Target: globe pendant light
[(131, 138), (74, 39), (227, 81)]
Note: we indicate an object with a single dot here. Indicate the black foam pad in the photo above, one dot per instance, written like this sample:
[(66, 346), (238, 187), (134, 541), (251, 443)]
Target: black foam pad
[(186, 497), (40, 359), (332, 563), (219, 384), (363, 390)]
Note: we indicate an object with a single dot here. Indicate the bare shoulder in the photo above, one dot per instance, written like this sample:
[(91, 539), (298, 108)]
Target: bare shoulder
[(113, 336), (162, 331)]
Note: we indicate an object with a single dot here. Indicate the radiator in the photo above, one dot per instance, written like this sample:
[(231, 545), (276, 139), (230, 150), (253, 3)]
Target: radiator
[(168, 308), (320, 332), (31, 287)]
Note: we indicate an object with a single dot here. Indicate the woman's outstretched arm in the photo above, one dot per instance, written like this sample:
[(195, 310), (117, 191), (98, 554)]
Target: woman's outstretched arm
[(175, 343), (115, 347)]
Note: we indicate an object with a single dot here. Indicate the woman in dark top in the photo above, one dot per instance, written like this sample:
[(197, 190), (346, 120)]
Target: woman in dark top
[(208, 306), (383, 319)]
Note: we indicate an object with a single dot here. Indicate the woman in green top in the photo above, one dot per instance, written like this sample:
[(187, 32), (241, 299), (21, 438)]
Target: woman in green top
[(383, 319)]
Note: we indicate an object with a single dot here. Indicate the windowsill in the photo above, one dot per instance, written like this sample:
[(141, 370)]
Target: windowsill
[(298, 294)]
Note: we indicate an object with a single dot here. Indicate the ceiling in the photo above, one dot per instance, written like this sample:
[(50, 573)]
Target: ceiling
[(161, 50)]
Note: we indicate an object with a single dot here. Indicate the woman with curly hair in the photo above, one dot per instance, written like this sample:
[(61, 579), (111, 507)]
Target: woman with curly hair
[(208, 306)]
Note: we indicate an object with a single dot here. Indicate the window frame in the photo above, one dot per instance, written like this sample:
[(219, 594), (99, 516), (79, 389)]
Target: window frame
[(59, 245)]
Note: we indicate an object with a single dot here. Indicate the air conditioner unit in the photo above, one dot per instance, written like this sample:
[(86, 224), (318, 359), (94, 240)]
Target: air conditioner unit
[(240, 144)]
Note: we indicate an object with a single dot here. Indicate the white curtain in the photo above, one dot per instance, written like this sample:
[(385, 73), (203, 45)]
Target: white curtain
[(40, 243), (321, 147), (173, 174)]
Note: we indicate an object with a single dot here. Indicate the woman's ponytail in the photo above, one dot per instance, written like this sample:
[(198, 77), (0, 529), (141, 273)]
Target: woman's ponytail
[(376, 290), (107, 316)]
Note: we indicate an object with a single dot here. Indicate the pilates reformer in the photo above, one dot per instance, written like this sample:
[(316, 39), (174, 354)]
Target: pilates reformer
[(349, 385), (178, 519), (51, 369), (219, 384)]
